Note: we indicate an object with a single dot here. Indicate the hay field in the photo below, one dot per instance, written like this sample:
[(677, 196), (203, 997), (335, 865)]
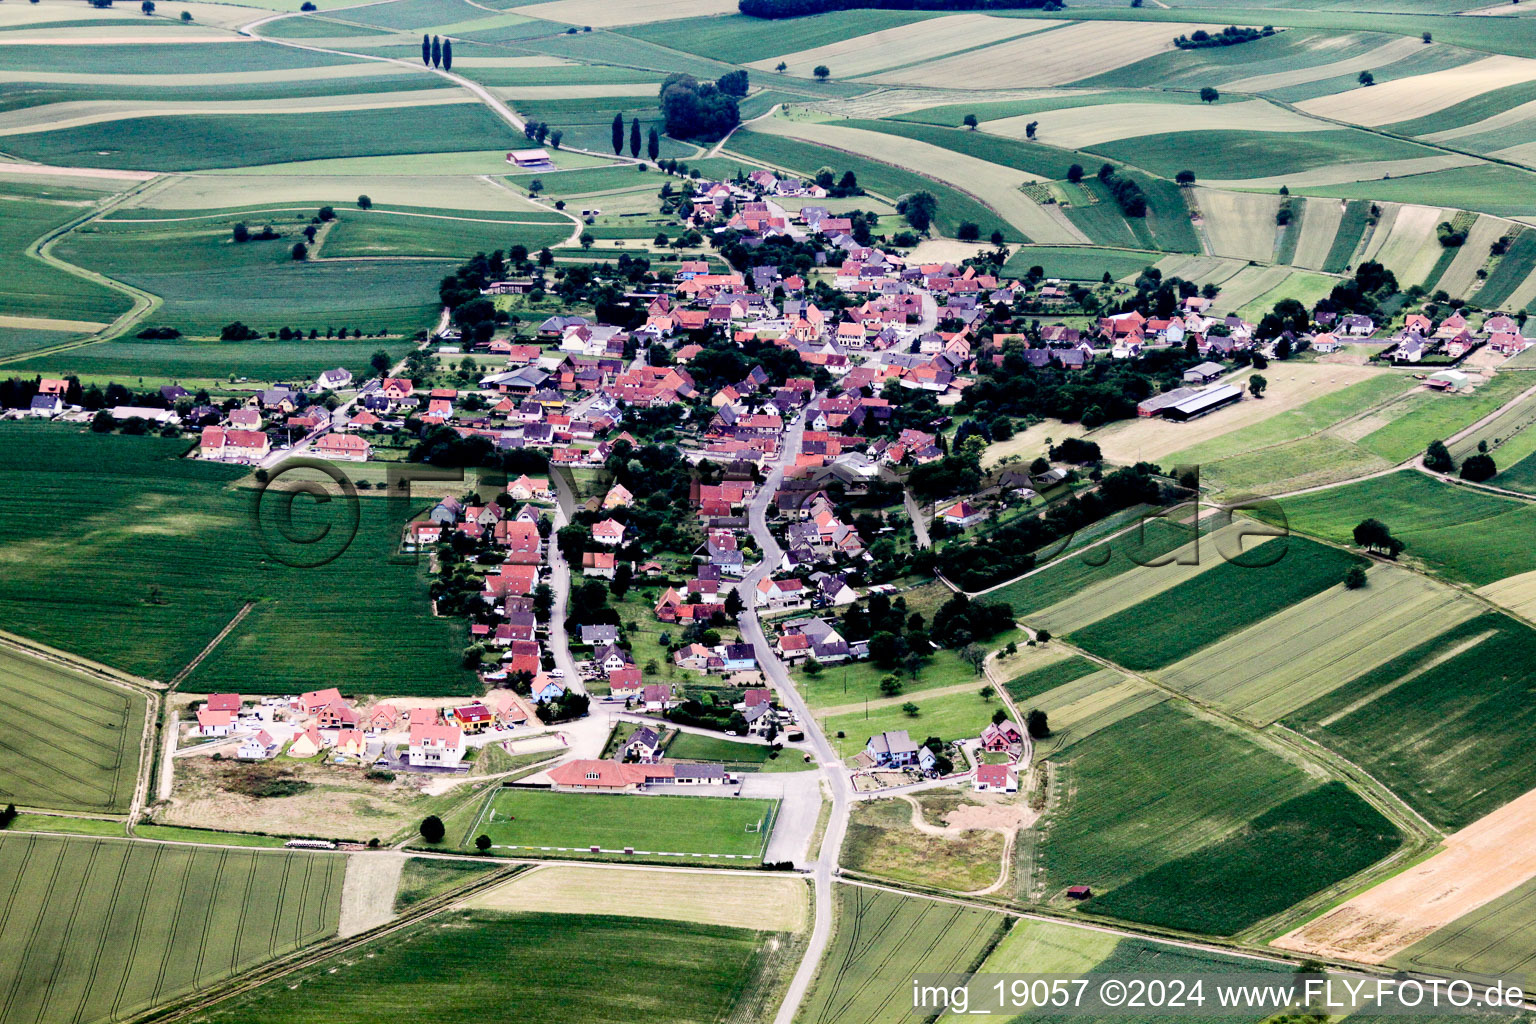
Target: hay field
[(1068, 54), (1404, 99), (204, 192), (1285, 662), (1461, 276), (1078, 709), (1236, 224), (1517, 593), (1117, 593), (84, 760), (607, 14), (1083, 127), (993, 184), (1351, 171), (1291, 385), (1319, 226), (762, 902), (77, 113), (904, 44), (1248, 284), (203, 79), (101, 929), (576, 92), (1370, 60), (1480, 863), (1408, 246), (1199, 269)]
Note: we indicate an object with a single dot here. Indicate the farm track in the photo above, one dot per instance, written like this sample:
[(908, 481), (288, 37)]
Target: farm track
[(229, 627)]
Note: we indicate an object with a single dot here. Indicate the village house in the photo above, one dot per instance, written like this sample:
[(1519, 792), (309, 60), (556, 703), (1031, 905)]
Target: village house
[(895, 749), (996, 778), (963, 515), (435, 746), (259, 747)]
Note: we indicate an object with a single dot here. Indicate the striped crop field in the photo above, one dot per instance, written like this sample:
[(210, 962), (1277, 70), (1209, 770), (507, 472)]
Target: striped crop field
[(102, 929), (85, 757)]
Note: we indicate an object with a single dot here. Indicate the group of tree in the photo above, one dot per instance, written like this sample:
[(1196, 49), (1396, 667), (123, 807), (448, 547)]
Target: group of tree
[(1374, 535), (538, 131), (706, 111), (801, 8), (1372, 285), (919, 208), (437, 53), (1475, 468), (1129, 195), (1229, 36)]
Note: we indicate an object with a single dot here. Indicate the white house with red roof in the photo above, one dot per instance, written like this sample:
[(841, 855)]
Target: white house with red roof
[(257, 748), (310, 703), (996, 778), (609, 532), (435, 746), (963, 515), (343, 448), (214, 723), (225, 444)]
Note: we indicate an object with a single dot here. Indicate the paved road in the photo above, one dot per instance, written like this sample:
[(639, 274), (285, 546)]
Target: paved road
[(831, 767), (560, 583), (919, 522)]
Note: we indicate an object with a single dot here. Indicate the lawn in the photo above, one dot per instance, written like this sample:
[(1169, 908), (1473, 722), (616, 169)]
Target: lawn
[(1215, 603), (691, 746), (122, 551), (854, 681), (101, 929), (956, 716), (31, 287), (1443, 724), (1067, 576), (882, 842), (1165, 787), (190, 142), (1459, 533), (1278, 858), (867, 973), (520, 820), (84, 759), (548, 969)]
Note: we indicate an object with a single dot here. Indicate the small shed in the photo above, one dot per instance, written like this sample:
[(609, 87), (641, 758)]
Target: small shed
[(1448, 380), (1079, 892)]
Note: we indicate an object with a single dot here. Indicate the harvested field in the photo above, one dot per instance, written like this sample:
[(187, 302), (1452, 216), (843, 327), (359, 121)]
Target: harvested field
[(1078, 709), (1461, 276), (993, 184), (1199, 269), (1078, 51), (1144, 582), (1237, 224), (1386, 53), (1349, 171), (1085, 127), (904, 44), (1490, 857), (1517, 593), (1406, 245), (204, 192), (85, 761), (1248, 284), (1291, 386), (604, 14), (762, 902), (1285, 662), (1319, 227), (1494, 939), (368, 891), (1406, 98)]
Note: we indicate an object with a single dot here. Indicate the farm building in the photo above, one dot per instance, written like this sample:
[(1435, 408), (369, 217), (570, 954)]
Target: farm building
[(1157, 403), (1204, 373), (1205, 401), (1448, 380), (1079, 892), (531, 160)]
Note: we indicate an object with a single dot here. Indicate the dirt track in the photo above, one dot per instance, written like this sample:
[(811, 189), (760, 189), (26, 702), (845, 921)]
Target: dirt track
[(368, 891)]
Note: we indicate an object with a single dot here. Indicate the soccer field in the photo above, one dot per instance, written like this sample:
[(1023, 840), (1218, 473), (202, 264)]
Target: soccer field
[(663, 825)]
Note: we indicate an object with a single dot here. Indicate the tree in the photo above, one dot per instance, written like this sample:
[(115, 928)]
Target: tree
[(437, 52), (733, 83), (971, 122), (379, 361), (822, 72), (618, 134), (185, 15), (242, 233), (1354, 577), (968, 231), (447, 54), (734, 605), (1075, 173), (1043, 636), (587, 239), (890, 685), (1366, 78), (556, 137), (653, 145), (988, 692), (974, 655), (482, 842), (1428, 38), (7, 816), (1478, 468), (148, 7), (781, 67), (919, 208), (1438, 458), (1256, 385), (1209, 95), (432, 829), (1185, 177), (1373, 535), (910, 709), (884, 649), (1037, 724), (299, 252), (1029, 129), (426, 49), (364, 203)]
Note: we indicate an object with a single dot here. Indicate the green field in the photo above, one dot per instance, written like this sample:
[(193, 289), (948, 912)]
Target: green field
[(867, 973), (197, 141), (1067, 576), (1459, 533), (954, 206), (182, 58), (127, 517), (1215, 603), (1498, 189), (1442, 724), (1030, 157), (31, 287), (548, 969), (1249, 154), (130, 361), (1513, 268), (1494, 939), (1079, 263), (524, 819), (1347, 238), (738, 39), (369, 235), (855, 681), (99, 929), (1058, 673), (691, 746), (83, 757), (1164, 788), (955, 716)]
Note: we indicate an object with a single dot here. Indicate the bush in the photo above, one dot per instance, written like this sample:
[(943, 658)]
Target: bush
[(1355, 579), (379, 775), (1478, 468)]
